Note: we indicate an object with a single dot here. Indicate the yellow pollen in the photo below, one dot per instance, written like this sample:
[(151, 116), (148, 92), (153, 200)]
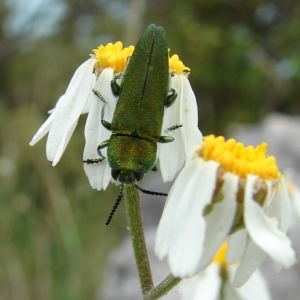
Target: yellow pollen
[(220, 257), (234, 157), (113, 56), (176, 65)]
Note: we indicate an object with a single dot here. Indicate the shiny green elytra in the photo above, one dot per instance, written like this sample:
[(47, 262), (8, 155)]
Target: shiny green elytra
[(137, 121)]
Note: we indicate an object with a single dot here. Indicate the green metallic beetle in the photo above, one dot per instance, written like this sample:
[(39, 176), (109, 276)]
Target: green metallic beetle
[(137, 121)]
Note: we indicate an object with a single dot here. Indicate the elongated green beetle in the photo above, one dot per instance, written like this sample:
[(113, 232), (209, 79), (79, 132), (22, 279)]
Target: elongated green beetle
[(137, 122)]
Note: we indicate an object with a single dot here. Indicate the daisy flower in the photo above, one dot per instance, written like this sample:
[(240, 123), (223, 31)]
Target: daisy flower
[(79, 98), (112, 60), (182, 112), (226, 189), (96, 74), (215, 282)]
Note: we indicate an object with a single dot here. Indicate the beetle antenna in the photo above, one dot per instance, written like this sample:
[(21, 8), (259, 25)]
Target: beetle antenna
[(116, 205), (150, 192)]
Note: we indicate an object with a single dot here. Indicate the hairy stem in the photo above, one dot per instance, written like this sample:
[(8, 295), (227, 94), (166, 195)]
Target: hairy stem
[(163, 288), (135, 223)]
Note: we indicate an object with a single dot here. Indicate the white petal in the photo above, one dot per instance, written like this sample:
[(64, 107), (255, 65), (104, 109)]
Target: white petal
[(79, 73), (229, 292), (219, 221), (264, 230), (254, 288), (280, 207), (294, 194), (251, 260), (189, 115), (69, 110), (170, 164), (99, 174), (165, 226), (205, 285), (236, 246), (44, 129), (182, 112), (89, 102), (192, 191)]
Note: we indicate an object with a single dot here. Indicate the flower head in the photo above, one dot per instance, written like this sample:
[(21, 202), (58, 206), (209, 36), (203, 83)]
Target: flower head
[(112, 56), (235, 158), (177, 66), (226, 189), (96, 74), (215, 282), (182, 112), (79, 97)]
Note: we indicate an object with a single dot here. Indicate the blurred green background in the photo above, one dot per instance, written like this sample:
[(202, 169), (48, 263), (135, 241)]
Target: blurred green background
[(245, 63)]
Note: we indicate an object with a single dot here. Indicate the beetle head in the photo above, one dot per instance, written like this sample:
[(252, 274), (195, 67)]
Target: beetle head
[(126, 177)]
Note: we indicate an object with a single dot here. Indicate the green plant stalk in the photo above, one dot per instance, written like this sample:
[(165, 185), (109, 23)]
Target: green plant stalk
[(163, 288), (136, 230)]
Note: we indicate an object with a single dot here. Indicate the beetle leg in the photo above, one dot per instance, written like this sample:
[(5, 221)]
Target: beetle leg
[(170, 99), (165, 139), (101, 146), (155, 166), (93, 161), (115, 87), (99, 96), (106, 124), (169, 138), (173, 127)]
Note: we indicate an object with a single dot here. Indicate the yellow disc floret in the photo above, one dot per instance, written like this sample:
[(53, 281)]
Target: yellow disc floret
[(116, 57), (176, 65), (112, 56), (220, 257), (236, 158)]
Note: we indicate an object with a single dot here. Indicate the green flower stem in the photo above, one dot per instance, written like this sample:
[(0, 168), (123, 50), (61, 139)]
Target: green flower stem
[(163, 288), (135, 223)]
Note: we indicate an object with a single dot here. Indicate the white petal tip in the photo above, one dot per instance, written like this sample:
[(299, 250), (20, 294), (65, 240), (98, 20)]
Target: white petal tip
[(54, 163), (161, 255), (184, 273), (290, 262), (237, 283)]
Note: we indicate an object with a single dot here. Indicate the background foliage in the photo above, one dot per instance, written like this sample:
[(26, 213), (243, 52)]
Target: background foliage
[(244, 64)]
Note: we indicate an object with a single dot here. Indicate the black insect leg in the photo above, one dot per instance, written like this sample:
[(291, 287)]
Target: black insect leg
[(101, 146), (106, 124), (115, 87), (170, 99)]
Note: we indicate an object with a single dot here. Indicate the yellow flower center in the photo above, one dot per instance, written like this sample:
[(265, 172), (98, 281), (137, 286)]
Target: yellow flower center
[(234, 157), (176, 65), (112, 56), (115, 56), (220, 257)]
